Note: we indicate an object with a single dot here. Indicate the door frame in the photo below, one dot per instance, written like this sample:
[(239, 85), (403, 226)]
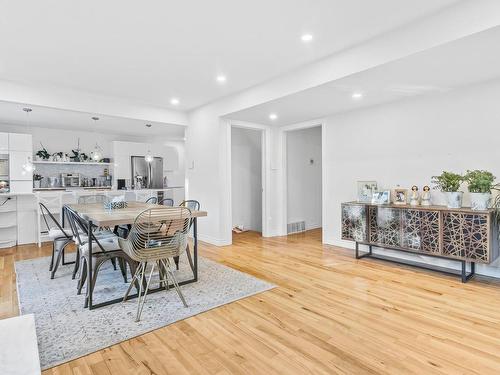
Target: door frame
[(265, 168), (284, 133)]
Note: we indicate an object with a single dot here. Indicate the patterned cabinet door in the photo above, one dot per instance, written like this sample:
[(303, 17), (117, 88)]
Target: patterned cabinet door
[(420, 230), (385, 226), (465, 236), (354, 222)]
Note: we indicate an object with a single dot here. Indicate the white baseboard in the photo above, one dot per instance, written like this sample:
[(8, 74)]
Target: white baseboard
[(212, 240)]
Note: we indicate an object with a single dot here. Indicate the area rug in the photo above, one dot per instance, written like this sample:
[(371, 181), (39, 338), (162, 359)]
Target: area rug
[(67, 331)]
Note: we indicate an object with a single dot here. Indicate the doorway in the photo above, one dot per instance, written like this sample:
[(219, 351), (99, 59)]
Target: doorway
[(303, 179), (246, 180)]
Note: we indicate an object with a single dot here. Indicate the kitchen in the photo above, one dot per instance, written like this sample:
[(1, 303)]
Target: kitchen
[(83, 154)]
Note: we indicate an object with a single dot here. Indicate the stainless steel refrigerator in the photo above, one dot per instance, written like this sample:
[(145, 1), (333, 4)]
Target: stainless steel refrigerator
[(147, 175)]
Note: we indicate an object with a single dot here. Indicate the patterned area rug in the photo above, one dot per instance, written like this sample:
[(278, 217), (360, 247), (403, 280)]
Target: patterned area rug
[(67, 331)]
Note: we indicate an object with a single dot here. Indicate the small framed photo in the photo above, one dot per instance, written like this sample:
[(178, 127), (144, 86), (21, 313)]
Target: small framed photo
[(381, 197), (400, 196), (366, 190)]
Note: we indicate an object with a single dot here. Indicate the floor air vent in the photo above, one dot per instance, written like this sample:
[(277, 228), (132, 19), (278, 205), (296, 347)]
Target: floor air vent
[(299, 226)]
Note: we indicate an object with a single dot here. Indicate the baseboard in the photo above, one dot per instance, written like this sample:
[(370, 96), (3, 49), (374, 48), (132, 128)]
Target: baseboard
[(212, 240), (312, 226), (339, 243)]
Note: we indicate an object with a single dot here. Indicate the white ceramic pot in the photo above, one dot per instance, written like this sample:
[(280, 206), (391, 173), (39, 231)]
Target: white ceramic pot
[(480, 201), (454, 199)]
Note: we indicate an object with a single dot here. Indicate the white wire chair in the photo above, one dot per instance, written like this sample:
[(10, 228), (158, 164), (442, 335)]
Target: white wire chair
[(157, 235)]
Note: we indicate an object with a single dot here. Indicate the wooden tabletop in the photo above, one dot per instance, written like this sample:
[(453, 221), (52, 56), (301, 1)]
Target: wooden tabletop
[(103, 217)]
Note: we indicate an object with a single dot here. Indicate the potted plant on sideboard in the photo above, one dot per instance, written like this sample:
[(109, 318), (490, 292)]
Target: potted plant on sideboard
[(480, 185), (449, 183)]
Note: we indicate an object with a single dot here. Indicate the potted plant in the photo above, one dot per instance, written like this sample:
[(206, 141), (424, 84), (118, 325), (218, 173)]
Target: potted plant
[(449, 183), (37, 181), (42, 154), (480, 185)]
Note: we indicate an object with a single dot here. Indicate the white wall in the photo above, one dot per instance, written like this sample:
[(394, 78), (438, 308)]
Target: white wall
[(208, 133), (407, 142), (303, 177), (246, 178)]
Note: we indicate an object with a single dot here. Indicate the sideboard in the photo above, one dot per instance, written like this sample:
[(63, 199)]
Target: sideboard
[(459, 234)]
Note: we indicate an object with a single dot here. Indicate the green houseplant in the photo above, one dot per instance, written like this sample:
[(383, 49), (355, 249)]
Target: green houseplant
[(449, 183), (43, 153), (480, 184)]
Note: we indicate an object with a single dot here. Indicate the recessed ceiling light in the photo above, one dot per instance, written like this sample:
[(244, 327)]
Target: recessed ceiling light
[(357, 95), (221, 79), (174, 101), (273, 116), (306, 37)]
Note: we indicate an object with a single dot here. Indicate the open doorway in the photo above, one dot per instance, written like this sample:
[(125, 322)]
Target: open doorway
[(303, 179), (246, 180)]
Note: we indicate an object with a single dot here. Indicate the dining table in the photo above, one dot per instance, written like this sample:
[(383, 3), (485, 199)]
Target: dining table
[(97, 215)]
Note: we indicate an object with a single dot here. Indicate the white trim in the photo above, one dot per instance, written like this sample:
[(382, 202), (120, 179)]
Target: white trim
[(212, 240)]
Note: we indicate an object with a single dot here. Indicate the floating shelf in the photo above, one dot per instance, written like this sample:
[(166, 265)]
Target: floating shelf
[(70, 162)]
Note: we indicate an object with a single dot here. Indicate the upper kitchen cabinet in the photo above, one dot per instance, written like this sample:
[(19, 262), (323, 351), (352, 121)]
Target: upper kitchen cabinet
[(20, 142), (16, 161), (4, 142)]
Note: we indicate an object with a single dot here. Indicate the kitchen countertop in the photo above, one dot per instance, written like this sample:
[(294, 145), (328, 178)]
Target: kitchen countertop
[(72, 189)]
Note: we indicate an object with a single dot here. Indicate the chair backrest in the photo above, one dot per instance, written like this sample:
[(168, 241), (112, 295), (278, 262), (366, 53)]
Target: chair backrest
[(167, 202), (192, 204), (152, 200), (97, 198), (48, 217), (158, 233), (79, 228)]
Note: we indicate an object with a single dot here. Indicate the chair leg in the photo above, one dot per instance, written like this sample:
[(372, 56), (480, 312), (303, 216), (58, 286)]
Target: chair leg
[(113, 260), (83, 276), (176, 260), (136, 276), (142, 299), (77, 263), (58, 254), (174, 281), (52, 257)]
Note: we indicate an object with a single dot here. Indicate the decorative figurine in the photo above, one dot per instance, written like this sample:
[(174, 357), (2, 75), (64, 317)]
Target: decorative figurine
[(414, 196), (426, 196)]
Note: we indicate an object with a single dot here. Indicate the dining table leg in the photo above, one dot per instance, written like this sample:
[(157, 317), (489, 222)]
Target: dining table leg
[(89, 267), (195, 248)]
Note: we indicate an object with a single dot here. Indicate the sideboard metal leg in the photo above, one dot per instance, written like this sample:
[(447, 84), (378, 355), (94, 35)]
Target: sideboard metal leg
[(466, 277), (357, 250)]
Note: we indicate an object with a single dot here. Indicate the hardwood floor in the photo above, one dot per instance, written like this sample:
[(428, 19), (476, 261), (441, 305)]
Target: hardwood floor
[(330, 314)]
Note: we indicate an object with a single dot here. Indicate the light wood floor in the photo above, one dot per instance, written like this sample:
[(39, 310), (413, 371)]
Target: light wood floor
[(330, 314)]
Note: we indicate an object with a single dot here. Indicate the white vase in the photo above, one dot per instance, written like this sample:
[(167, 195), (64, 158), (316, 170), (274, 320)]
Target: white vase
[(454, 199), (480, 201)]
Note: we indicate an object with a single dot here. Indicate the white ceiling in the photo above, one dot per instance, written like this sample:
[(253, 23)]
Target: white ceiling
[(466, 61), (151, 51), (13, 114)]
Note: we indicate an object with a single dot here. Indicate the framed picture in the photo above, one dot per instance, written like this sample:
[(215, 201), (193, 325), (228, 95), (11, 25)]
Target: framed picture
[(366, 190), (400, 196), (381, 197)]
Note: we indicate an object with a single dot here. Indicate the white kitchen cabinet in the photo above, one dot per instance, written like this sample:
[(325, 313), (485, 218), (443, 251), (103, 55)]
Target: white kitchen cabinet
[(18, 187), (27, 226), (4, 142), (20, 142), (16, 161)]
